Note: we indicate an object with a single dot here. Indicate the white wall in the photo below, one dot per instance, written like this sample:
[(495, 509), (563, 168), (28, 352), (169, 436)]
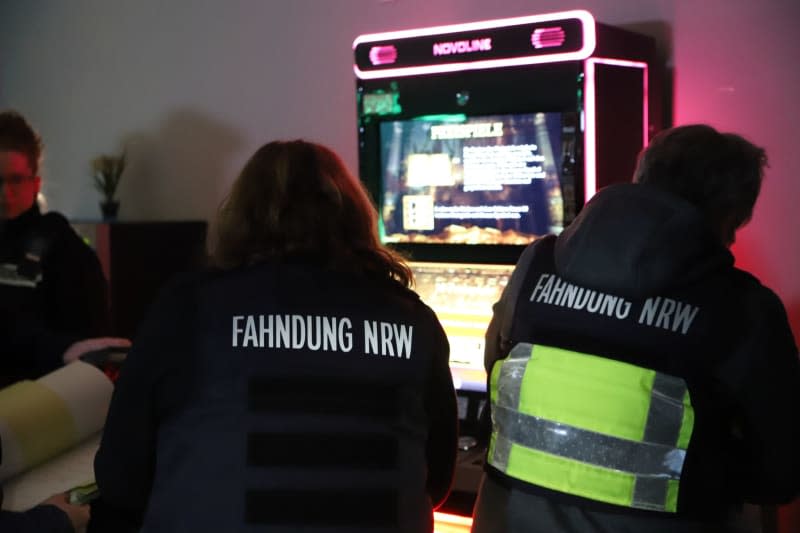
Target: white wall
[(196, 86)]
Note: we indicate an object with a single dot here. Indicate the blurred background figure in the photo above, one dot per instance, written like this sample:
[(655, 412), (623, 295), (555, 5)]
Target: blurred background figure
[(52, 289)]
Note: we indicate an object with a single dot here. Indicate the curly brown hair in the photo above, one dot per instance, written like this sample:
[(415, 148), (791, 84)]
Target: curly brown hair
[(297, 199)]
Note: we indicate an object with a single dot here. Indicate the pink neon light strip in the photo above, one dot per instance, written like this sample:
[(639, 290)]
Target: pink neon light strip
[(382, 55), (590, 112), (589, 43), (548, 37)]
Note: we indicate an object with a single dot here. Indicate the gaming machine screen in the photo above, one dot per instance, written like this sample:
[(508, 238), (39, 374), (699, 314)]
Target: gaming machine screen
[(455, 179)]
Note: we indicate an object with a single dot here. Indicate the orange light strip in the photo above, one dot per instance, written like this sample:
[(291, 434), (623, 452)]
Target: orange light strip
[(450, 523)]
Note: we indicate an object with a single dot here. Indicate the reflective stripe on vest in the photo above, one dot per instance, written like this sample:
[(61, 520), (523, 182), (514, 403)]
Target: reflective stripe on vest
[(590, 426)]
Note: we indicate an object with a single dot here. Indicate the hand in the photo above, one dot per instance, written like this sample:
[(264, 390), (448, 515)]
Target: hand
[(77, 349), (78, 514)]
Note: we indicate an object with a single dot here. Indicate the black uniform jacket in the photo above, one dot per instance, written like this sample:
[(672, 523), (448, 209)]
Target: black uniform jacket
[(52, 293), (39, 519), (280, 397), (660, 292)]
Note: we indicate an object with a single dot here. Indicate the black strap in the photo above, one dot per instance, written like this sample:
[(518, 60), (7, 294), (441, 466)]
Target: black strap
[(367, 507), (304, 395), (362, 451)]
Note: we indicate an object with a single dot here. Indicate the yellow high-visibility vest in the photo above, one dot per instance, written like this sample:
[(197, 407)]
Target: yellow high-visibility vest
[(590, 426)]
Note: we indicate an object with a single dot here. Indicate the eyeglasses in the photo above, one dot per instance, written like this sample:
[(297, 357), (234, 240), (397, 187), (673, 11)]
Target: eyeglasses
[(14, 179)]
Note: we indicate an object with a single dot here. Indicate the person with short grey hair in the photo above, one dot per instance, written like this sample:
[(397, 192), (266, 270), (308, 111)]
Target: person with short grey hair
[(639, 380)]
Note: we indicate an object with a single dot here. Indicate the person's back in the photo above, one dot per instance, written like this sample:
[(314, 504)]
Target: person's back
[(660, 383), (282, 394)]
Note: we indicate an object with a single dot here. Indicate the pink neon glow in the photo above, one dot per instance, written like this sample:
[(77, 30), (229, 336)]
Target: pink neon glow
[(548, 37), (462, 47), (382, 55), (590, 111), (589, 43)]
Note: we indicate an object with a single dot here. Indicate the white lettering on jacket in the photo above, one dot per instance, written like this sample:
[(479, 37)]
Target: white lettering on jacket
[(665, 313), (317, 332)]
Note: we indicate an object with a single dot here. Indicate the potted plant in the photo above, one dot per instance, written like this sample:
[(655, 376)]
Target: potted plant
[(108, 171)]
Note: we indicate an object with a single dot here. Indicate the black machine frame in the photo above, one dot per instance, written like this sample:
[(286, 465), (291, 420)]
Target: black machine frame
[(603, 77)]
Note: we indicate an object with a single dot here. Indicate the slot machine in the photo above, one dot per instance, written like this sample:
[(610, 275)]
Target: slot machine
[(475, 140)]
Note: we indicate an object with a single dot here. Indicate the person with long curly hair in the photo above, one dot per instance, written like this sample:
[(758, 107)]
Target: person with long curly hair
[(300, 383)]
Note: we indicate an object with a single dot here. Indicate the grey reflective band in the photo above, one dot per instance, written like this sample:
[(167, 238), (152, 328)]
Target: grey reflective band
[(665, 417), (650, 493), (510, 379), (500, 452), (638, 458), (508, 387), (642, 471)]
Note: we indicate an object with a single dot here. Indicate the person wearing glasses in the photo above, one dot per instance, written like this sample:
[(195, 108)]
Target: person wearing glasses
[(52, 289)]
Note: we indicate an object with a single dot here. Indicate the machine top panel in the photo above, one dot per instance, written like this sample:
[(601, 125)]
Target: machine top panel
[(549, 38)]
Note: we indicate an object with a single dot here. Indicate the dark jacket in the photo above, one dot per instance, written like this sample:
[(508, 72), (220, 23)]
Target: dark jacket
[(691, 314), (286, 396), (52, 293), (40, 519)]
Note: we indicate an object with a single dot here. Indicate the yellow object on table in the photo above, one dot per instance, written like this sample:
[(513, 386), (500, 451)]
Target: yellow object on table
[(41, 420)]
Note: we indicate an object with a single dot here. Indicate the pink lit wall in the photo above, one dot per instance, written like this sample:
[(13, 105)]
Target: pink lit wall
[(744, 80), (735, 67)]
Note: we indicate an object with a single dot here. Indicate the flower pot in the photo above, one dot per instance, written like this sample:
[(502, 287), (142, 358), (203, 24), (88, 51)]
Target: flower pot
[(109, 208)]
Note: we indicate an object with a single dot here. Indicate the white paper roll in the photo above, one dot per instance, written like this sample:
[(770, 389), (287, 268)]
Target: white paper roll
[(43, 418)]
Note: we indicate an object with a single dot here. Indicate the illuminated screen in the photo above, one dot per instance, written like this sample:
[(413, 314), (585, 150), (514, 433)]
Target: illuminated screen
[(455, 179), (462, 297)]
